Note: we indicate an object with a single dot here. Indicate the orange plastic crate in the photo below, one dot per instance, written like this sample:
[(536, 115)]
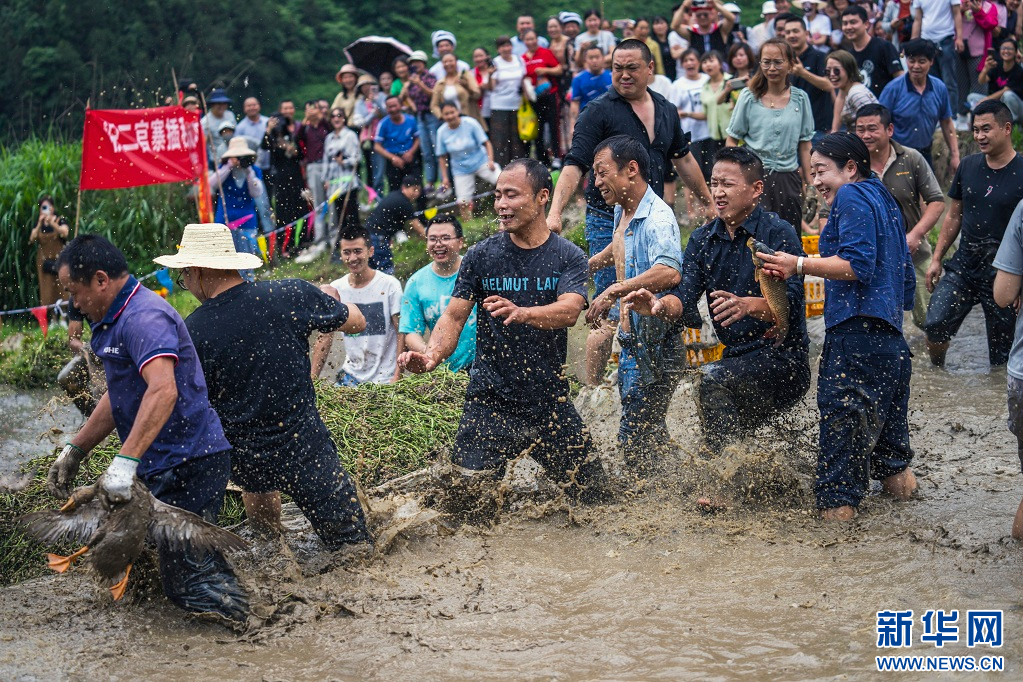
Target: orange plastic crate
[(814, 290), (810, 242), (697, 352)]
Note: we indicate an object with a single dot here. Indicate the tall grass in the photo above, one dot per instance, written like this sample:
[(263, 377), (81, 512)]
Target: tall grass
[(144, 221)]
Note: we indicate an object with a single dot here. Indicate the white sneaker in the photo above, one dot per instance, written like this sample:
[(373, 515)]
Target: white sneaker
[(310, 254)]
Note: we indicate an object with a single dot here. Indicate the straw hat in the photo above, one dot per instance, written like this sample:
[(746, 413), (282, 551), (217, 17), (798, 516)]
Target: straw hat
[(209, 246), (347, 68), (365, 79), (237, 147)]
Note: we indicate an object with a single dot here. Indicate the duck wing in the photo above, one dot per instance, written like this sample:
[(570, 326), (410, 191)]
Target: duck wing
[(178, 529), (51, 526)]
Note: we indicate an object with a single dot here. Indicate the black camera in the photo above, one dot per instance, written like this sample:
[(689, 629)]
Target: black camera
[(246, 161)]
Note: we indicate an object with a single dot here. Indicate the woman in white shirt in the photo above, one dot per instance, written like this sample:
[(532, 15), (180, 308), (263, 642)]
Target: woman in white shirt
[(505, 97), (687, 97), (605, 40)]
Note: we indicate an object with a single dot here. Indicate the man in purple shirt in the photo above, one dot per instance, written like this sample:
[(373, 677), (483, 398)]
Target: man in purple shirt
[(156, 399)]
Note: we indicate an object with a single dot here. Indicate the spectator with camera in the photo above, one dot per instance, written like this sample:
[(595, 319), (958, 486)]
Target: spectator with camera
[(51, 232)]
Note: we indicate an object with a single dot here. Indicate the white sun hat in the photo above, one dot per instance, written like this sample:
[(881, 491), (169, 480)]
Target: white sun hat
[(209, 245)]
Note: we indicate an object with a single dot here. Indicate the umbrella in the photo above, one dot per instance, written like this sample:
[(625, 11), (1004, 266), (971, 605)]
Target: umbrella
[(375, 54)]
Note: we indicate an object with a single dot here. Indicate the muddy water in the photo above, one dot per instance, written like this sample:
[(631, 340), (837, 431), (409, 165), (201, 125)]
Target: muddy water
[(645, 588), (30, 423)]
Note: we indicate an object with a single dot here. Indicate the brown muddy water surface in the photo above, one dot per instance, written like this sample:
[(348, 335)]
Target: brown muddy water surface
[(644, 588)]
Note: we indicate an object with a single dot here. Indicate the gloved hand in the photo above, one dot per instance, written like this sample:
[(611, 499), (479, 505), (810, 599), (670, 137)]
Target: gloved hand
[(63, 471), (117, 480)]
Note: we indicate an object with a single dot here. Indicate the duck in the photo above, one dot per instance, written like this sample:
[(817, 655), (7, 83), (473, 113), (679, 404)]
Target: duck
[(115, 534)]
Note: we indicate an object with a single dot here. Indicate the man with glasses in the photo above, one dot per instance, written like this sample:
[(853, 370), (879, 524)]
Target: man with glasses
[(259, 377), (918, 103), (629, 108), (428, 292)]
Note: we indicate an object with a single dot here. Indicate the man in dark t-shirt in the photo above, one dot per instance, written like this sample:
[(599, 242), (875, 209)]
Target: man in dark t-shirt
[(877, 58), (809, 73), (530, 286), (252, 339), (985, 191), (390, 217)]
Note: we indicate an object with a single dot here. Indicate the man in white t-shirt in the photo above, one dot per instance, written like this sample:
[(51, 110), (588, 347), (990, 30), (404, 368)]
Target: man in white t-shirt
[(941, 22), (372, 356)]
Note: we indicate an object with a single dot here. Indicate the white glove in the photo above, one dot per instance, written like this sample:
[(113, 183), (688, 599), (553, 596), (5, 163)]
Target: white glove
[(63, 471), (118, 478)]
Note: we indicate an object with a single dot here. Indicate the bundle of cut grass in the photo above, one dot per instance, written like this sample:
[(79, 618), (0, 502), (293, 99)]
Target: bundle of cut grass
[(34, 360), (382, 432), (385, 431)]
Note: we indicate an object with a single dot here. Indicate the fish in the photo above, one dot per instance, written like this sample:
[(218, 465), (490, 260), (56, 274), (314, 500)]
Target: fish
[(774, 290)]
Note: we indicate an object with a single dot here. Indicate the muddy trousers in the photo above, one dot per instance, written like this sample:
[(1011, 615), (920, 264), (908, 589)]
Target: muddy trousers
[(199, 581), (314, 478), (863, 397), (954, 297), (643, 429), (74, 379), (738, 394), (494, 431)]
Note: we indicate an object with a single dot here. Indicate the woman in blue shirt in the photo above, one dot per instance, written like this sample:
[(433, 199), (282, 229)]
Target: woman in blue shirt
[(863, 384)]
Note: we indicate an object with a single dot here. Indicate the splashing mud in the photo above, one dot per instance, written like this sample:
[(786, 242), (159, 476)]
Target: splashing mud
[(505, 580)]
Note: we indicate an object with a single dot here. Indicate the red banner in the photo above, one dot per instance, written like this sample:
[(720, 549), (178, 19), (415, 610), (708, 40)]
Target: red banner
[(136, 147)]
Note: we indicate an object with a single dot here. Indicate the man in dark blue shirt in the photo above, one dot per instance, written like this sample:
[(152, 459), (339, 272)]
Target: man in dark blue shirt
[(530, 286), (156, 399), (756, 378)]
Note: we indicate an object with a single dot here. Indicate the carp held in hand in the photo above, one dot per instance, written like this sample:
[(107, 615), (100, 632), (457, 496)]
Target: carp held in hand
[(774, 290)]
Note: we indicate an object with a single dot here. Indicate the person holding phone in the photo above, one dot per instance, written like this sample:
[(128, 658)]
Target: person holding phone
[(1004, 78), (51, 232)]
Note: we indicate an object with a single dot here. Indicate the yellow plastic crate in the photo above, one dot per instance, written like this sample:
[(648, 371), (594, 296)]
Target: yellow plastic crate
[(810, 243), (697, 352), (814, 290)]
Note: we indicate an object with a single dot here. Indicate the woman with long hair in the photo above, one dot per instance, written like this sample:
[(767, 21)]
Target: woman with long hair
[(774, 120), (659, 32), (865, 369), (505, 98), (482, 69), (742, 64), (850, 93), (459, 88)]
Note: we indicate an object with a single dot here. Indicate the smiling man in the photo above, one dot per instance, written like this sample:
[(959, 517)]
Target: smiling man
[(756, 378), (985, 191), (529, 285), (646, 252), (629, 108), (429, 290), (156, 399)]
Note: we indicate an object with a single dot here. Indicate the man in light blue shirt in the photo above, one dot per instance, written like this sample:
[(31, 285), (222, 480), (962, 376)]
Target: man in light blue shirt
[(428, 291), (646, 250)]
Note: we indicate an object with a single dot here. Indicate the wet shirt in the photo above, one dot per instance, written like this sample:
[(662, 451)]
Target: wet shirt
[(426, 297), (138, 328), (610, 115), (1010, 259), (989, 197), (518, 362), (866, 229), (713, 261), (253, 342)]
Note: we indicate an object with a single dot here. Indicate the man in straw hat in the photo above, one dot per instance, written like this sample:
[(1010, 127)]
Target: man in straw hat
[(171, 438), (238, 186), (252, 339)]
